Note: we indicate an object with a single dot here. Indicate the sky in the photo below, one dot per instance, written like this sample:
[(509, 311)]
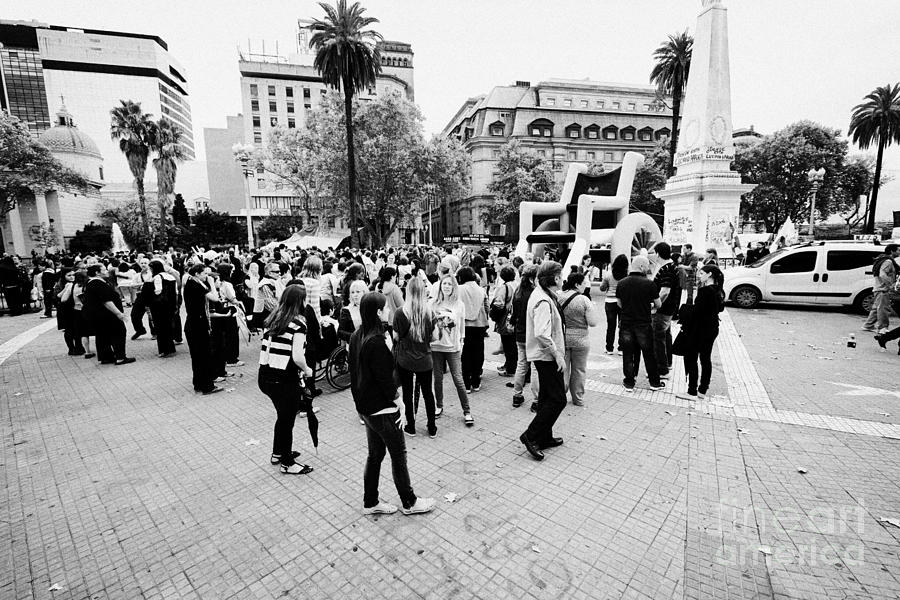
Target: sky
[(790, 60)]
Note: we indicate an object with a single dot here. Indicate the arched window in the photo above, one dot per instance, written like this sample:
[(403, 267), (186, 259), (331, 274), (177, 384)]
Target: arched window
[(663, 134), (573, 131), (645, 134), (628, 133), (592, 132), (611, 133), (405, 62), (540, 128)]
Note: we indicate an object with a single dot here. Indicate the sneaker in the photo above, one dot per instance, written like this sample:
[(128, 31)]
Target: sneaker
[(432, 432), (179, 342), (610, 352), (125, 361), (90, 355), (214, 390), (239, 363), (869, 329), (382, 508), (167, 355), (137, 335), (510, 384), (422, 505), (438, 411), (628, 388), (881, 342), (296, 469), (276, 458), (477, 388), (659, 386), (518, 400), (578, 402), (410, 430), (686, 396), (468, 390), (469, 419), (218, 380)]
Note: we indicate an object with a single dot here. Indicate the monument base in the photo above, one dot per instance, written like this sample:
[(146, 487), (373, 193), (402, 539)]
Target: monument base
[(702, 209)]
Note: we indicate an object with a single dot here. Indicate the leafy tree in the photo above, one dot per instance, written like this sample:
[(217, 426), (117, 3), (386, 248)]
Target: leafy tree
[(134, 130), (216, 229), (278, 226), (130, 218), (877, 121), (92, 238), (347, 58), (26, 164), (295, 156), (180, 215), (670, 74), (778, 164), (165, 141), (522, 176), (650, 177)]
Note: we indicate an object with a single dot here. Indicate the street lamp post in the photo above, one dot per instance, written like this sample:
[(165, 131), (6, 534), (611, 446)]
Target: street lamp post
[(242, 154), (815, 177)]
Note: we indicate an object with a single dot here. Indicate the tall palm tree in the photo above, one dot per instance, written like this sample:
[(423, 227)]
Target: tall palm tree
[(347, 58), (877, 121), (670, 74), (133, 128), (166, 143)]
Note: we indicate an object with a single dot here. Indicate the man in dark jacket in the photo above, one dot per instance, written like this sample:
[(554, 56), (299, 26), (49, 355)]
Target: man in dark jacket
[(103, 306), (636, 294)]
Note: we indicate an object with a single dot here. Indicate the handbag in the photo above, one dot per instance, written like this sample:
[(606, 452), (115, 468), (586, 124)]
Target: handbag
[(680, 344)]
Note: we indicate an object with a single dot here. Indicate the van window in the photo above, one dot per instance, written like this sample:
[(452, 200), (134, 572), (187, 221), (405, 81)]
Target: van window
[(797, 262), (847, 260)]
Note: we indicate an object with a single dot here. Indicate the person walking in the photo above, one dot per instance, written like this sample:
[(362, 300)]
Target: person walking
[(475, 302), (374, 393), (545, 346), (282, 368), (413, 324), (611, 278), (669, 288), (701, 329), (518, 321), (197, 329), (160, 294), (579, 315), (447, 343), (636, 295), (884, 273)]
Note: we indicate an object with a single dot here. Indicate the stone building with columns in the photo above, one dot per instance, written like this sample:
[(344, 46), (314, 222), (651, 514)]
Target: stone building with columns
[(60, 212)]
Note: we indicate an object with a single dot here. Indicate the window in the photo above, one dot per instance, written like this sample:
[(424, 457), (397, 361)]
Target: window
[(631, 106), (323, 92), (648, 107), (497, 130), (260, 183), (254, 90), (573, 131), (504, 115), (292, 124), (254, 105), (797, 262), (257, 137), (572, 155), (584, 104), (663, 134), (495, 153), (600, 103), (271, 90), (616, 105), (279, 186), (273, 106), (567, 102), (257, 122), (306, 92), (273, 121), (610, 133), (101, 173), (592, 156), (314, 221), (551, 101), (289, 92), (628, 133), (332, 221), (591, 134), (542, 153), (307, 105), (645, 134), (847, 260), (608, 156), (541, 128)]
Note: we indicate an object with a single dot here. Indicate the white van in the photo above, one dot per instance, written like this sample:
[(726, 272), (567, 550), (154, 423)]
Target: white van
[(822, 272)]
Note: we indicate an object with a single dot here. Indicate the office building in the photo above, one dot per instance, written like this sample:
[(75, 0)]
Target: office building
[(562, 121)]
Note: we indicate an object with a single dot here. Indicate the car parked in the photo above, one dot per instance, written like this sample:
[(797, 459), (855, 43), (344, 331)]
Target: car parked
[(820, 272)]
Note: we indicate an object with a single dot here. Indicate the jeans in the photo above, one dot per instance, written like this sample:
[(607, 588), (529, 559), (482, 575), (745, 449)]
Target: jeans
[(384, 435), (423, 381), (662, 341), (523, 373), (510, 352), (637, 339), (576, 371), (201, 356), (612, 317), (284, 396), (452, 361), (879, 314), (551, 402), (703, 351), (473, 356)]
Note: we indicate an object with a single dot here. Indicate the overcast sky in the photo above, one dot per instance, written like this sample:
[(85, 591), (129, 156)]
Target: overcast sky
[(790, 60)]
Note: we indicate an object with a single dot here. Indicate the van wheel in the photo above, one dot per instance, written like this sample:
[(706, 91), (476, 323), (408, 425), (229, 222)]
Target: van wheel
[(746, 296), (863, 302)]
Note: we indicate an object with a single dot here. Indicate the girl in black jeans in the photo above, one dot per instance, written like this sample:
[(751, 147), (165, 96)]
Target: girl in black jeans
[(413, 325), (617, 272), (701, 330), (374, 393), (281, 365)]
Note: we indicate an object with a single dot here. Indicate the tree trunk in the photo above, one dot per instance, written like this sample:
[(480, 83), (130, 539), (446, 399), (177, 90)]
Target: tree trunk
[(139, 182), (161, 203), (673, 141), (870, 222), (351, 160)]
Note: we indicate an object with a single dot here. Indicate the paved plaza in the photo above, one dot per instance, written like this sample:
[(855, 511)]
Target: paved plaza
[(120, 482)]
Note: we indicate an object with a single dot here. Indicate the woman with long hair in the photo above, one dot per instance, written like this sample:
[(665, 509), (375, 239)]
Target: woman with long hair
[(387, 285), (502, 303), (350, 319), (65, 311), (611, 278), (517, 319), (160, 293), (374, 393), (447, 344), (701, 330), (413, 325), (476, 306), (579, 315), (231, 306), (282, 365), (311, 274)]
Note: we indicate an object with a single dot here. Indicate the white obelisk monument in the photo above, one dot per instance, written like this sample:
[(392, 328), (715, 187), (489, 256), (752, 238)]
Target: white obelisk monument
[(702, 200)]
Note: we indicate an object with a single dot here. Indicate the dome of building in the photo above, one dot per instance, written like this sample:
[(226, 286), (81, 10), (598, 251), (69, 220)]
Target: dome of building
[(65, 137)]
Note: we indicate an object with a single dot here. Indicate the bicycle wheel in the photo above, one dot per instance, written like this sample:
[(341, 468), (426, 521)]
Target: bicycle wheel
[(321, 367), (338, 369)]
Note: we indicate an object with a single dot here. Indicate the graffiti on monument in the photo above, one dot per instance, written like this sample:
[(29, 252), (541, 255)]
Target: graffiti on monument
[(679, 229), (703, 153), (720, 232)]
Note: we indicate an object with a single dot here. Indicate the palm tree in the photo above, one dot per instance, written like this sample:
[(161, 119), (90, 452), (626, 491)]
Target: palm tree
[(670, 74), (347, 58), (133, 128), (877, 121), (166, 143)]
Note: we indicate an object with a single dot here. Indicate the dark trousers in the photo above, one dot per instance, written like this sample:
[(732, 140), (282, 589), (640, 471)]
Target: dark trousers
[(137, 316), (637, 339), (423, 384), (110, 340), (384, 436), (201, 356), (612, 319), (165, 336), (703, 351), (48, 303), (284, 396), (662, 341), (217, 344), (73, 341), (232, 345), (551, 402), (13, 295), (510, 353), (473, 356)]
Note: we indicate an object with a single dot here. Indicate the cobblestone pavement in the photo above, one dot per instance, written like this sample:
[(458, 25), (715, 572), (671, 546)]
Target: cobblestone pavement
[(120, 482)]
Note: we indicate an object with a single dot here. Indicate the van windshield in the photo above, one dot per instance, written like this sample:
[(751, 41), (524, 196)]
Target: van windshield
[(767, 258)]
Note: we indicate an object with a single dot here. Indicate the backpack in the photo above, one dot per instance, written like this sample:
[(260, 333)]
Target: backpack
[(499, 312)]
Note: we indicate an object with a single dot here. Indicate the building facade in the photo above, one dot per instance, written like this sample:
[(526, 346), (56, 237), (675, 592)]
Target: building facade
[(92, 70), (563, 121), (280, 91)]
